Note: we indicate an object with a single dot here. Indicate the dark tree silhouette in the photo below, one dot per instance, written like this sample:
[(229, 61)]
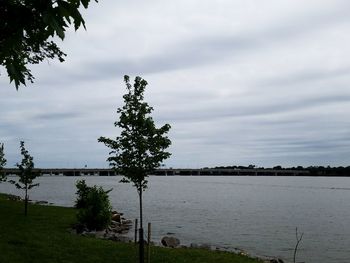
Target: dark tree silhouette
[(26, 175), (2, 163), (141, 147), (25, 29)]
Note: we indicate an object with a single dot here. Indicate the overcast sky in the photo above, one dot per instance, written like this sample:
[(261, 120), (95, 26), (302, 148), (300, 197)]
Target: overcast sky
[(240, 82)]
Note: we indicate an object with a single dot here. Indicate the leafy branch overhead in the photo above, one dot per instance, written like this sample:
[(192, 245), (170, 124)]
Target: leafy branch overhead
[(25, 29)]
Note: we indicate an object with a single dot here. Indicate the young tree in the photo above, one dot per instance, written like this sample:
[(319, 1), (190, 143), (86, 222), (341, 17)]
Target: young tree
[(26, 175), (25, 29), (2, 163), (141, 147)]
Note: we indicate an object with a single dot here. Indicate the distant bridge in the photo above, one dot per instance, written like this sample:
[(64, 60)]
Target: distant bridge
[(167, 172)]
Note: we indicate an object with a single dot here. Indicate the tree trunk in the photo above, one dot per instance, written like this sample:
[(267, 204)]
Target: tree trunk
[(142, 243), (26, 202)]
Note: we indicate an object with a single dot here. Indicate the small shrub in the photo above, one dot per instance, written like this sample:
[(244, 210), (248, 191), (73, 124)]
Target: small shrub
[(94, 208)]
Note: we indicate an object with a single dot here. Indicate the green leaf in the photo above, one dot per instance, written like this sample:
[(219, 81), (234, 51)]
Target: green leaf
[(28, 25), (85, 3)]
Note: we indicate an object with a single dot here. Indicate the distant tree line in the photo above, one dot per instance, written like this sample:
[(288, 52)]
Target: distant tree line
[(313, 170)]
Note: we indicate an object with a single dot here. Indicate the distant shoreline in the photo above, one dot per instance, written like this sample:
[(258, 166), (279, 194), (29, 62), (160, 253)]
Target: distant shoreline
[(306, 172)]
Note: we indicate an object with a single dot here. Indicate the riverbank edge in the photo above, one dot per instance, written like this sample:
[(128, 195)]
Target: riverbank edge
[(28, 237)]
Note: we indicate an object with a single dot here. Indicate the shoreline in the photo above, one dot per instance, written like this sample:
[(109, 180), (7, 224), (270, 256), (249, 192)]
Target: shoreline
[(54, 242), (129, 227), (290, 172)]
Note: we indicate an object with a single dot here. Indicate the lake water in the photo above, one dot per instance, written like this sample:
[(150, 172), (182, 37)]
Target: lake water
[(256, 214)]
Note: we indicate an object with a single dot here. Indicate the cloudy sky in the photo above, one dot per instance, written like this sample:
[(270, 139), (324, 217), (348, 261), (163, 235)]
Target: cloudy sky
[(240, 82)]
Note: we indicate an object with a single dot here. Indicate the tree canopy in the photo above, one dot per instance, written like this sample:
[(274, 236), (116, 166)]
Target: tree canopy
[(141, 147), (26, 31)]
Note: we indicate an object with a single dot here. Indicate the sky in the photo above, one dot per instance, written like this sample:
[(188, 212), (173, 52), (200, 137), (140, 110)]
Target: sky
[(240, 82)]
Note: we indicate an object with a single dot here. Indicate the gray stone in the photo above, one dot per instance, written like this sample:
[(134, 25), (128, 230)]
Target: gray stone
[(127, 222), (170, 242), (116, 217)]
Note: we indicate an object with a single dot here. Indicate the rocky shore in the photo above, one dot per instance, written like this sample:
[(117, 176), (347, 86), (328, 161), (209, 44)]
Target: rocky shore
[(173, 242), (116, 231)]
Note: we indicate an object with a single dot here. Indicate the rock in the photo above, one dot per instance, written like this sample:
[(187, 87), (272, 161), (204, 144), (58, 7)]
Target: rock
[(124, 227), (116, 217), (116, 212), (119, 228), (114, 223), (127, 222), (170, 242), (278, 260)]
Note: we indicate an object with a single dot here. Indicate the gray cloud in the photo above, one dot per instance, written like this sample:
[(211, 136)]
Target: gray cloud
[(207, 49), (304, 77), (253, 108), (53, 116)]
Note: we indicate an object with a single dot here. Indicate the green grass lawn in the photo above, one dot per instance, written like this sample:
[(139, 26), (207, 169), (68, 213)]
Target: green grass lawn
[(44, 236)]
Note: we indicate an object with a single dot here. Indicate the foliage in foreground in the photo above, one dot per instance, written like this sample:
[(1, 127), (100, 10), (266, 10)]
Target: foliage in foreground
[(26, 30), (45, 237), (94, 208)]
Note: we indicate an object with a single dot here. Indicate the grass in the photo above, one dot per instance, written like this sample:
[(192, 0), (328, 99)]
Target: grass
[(44, 236)]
